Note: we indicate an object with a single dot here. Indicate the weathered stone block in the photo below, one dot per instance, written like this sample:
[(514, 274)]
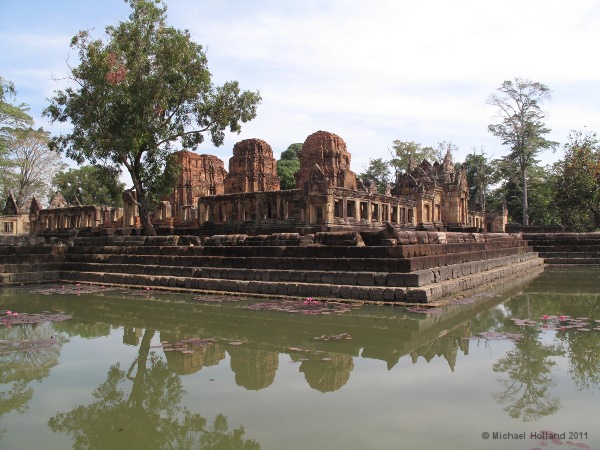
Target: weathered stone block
[(380, 279), (313, 277), (365, 279)]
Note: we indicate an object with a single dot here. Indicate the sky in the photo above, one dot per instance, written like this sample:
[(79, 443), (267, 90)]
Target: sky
[(369, 71)]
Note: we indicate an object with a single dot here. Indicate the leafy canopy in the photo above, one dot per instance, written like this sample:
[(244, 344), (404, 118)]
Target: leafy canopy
[(479, 177), (288, 165), (90, 185), (406, 151), (577, 182), (138, 95), (378, 172)]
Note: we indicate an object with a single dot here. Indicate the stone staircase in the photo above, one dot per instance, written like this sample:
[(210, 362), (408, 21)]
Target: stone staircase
[(30, 264), (416, 273), (566, 248)]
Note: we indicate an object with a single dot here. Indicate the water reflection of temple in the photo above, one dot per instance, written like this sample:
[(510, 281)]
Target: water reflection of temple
[(201, 356), (254, 368), (327, 373), (447, 347), (385, 334)]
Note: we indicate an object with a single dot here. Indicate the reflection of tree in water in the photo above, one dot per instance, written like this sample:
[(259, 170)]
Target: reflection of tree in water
[(149, 416), (83, 329), (329, 374), (582, 347), (584, 358), (528, 368), (27, 353), (254, 369)]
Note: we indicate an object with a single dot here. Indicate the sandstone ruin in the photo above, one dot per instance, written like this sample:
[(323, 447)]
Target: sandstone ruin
[(328, 151), (252, 168), (208, 200)]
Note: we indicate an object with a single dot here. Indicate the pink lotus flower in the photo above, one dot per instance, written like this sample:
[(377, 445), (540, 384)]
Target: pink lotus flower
[(9, 312)]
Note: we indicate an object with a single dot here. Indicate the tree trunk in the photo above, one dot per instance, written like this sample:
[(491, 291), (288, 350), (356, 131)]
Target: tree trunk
[(525, 203), (142, 204), (136, 397), (147, 227)]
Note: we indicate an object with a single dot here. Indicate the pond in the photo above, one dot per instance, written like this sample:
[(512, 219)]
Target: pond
[(98, 367)]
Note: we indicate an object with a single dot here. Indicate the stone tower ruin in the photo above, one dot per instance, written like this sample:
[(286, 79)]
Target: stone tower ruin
[(252, 168), (329, 152)]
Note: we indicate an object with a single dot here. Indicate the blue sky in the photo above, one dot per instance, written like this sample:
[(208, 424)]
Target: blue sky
[(371, 72)]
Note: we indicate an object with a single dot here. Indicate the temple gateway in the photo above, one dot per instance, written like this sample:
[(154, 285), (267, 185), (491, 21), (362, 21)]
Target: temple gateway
[(209, 200)]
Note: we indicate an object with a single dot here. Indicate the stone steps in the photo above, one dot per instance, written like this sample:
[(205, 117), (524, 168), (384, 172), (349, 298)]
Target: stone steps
[(346, 276), (570, 260), (418, 272), (313, 251), (30, 264), (27, 277), (322, 291), (569, 254), (345, 259), (566, 248)]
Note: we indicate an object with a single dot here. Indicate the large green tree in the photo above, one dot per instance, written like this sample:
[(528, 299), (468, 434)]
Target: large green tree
[(140, 93), (378, 172), (522, 127), (577, 183), (404, 151), (479, 178), (287, 166), (508, 190), (90, 185)]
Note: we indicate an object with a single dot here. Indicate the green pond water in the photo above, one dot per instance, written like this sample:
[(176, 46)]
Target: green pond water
[(141, 369)]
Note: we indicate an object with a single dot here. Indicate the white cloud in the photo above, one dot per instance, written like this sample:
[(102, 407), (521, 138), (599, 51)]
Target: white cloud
[(371, 72)]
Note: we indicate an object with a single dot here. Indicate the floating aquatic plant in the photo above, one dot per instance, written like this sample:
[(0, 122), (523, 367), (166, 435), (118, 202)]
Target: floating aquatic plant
[(26, 346), (9, 318), (334, 337), (308, 306), (561, 323), (218, 299), (185, 346)]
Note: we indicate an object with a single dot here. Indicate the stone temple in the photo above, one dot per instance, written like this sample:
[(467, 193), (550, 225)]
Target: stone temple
[(208, 200)]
